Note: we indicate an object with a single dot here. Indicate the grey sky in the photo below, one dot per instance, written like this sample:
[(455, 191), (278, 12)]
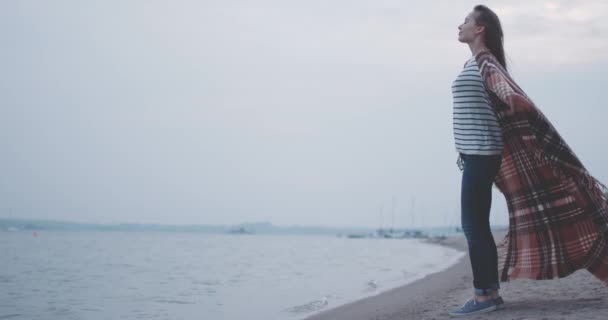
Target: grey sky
[(295, 112)]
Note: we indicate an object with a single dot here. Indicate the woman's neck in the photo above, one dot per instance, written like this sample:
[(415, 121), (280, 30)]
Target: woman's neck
[(477, 46)]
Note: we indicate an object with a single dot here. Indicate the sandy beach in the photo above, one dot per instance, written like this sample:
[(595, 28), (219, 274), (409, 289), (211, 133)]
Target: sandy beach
[(579, 296)]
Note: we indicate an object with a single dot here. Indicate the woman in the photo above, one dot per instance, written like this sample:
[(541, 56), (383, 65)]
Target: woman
[(558, 214)]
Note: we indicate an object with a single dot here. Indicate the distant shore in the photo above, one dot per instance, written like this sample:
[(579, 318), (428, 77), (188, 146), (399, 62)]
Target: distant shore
[(579, 296), (263, 227)]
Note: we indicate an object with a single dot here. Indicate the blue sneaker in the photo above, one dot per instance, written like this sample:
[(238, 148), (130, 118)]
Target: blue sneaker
[(474, 307)]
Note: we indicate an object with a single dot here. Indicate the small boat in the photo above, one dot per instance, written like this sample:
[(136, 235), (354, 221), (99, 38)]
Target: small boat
[(356, 236)]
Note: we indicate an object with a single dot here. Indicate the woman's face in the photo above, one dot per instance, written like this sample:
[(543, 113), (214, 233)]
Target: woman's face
[(468, 29)]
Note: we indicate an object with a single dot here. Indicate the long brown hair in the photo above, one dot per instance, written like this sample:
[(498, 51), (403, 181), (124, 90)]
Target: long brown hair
[(494, 37)]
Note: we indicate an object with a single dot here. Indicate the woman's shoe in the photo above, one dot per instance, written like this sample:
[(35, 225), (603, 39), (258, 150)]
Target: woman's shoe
[(475, 307), (500, 304)]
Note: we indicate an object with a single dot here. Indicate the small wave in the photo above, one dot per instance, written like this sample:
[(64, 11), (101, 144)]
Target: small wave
[(407, 274), (209, 282), (174, 302), (371, 286), (310, 306), (8, 316)]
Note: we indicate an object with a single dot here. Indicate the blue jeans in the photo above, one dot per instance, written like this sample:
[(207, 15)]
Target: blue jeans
[(475, 201)]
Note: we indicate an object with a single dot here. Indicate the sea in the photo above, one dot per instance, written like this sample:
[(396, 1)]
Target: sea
[(180, 275)]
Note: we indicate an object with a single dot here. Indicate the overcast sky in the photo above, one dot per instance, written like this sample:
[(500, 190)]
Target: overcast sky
[(296, 112)]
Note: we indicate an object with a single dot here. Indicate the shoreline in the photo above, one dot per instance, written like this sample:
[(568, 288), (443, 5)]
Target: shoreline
[(578, 296), (404, 301)]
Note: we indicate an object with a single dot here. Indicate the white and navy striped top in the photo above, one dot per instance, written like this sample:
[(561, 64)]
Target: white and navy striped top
[(476, 130)]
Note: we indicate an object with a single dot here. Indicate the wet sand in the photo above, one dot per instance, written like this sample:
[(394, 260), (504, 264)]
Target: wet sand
[(578, 296)]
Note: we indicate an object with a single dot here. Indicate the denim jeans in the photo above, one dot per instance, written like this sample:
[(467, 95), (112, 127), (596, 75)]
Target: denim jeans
[(476, 200)]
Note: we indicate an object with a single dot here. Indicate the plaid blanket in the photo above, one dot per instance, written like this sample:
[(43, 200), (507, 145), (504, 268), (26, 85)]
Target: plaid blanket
[(558, 213)]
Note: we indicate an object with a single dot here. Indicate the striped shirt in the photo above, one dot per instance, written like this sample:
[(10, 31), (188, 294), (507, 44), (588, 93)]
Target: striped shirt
[(476, 129)]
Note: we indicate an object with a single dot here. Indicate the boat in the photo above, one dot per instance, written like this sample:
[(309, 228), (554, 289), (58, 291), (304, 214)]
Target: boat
[(240, 230)]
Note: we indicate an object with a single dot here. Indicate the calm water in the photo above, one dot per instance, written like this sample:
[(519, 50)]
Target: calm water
[(148, 275)]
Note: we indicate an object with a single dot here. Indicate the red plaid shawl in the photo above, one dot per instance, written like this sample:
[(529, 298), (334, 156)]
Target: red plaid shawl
[(558, 215)]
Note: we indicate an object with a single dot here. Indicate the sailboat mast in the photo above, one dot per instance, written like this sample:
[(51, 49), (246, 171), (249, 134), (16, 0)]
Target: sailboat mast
[(381, 209), (393, 213)]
